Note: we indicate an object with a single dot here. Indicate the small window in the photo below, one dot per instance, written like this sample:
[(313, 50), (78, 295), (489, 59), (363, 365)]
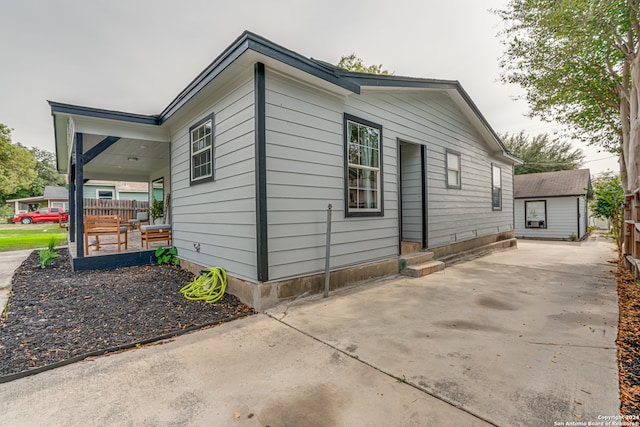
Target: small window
[(453, 170), (104, 194), (363, 161), (535, 214), (201, 143), (496, 187)]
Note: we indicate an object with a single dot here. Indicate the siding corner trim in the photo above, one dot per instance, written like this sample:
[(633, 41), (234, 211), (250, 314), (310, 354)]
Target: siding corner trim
[(262, 250)]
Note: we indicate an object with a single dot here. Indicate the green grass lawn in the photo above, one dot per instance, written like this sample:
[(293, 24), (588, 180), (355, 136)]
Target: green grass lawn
[(15, 237)]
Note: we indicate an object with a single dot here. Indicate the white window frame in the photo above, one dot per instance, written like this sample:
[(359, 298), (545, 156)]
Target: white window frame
[(104, 190), (206, 140), (495, 168), (355, 186), (532, 215), (453, 166)]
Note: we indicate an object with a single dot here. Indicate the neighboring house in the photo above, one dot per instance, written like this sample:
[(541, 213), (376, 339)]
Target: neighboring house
[(255, 148), (53, 197), (552, 205), (116, 190)]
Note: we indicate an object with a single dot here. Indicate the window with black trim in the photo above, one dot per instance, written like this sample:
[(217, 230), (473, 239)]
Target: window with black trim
[(363, 164), (104, 194), (201, 143), (496, 187), (454, 169), (535, 214)]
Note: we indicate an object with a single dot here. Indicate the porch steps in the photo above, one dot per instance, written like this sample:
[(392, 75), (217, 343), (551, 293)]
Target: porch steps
[(418, 264), (423, 269)]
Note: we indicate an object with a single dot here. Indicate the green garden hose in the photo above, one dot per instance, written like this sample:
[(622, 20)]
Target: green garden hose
[(209, 286)]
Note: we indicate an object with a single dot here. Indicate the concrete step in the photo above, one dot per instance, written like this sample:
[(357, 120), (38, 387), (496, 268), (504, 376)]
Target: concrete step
[(480, 251), (409, 247), (423, 269), (414, 258)]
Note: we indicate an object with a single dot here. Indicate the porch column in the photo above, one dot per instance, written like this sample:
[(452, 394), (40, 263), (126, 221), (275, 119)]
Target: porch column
[(79, 197), (72, 209)]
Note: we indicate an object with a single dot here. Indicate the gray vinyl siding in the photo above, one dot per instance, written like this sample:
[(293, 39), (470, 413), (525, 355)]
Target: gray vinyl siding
[(305, 173), (411, 189), (562, 219), (219, 215), (431, 119)]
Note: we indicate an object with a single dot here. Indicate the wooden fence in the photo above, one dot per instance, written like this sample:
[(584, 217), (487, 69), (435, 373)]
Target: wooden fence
[(124, 208)]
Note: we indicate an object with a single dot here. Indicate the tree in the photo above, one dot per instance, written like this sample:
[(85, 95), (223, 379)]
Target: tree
[(46, 174), (607, 203), (579, 64), (353, 63), (16, 164), (542, 155)]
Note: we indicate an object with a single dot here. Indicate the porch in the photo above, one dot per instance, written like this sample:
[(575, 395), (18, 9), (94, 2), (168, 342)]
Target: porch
[(96, 144), (108, 257)]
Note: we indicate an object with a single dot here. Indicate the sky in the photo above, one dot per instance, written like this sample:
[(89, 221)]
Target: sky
[(137, 55)]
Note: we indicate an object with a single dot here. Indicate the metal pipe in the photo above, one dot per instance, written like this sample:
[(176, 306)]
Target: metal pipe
[(327, 253)]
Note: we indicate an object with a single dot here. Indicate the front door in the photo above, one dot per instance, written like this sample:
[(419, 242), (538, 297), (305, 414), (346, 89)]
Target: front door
[(412, 196)]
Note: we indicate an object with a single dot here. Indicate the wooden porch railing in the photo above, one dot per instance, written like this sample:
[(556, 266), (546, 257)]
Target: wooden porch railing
[(123, 208)]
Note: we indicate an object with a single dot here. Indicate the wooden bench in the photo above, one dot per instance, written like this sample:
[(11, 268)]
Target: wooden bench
[(104, 225), (155, 233)]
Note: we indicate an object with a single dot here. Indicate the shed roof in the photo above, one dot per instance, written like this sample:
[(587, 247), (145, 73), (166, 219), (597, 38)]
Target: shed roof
[(54, 192), (552, 184)]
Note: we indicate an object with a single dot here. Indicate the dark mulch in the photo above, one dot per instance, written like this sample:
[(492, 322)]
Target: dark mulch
[(56, 315), (629, 342)]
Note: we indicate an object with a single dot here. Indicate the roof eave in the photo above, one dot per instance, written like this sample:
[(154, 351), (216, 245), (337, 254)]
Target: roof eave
[(250, 41)]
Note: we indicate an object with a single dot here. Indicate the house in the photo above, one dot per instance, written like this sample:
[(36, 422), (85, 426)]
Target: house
[(53, 197), (255, 149), (552, 205), (116, 190)]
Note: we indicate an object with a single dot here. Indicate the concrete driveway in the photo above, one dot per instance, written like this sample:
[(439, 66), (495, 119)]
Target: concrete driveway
[(525, 337)]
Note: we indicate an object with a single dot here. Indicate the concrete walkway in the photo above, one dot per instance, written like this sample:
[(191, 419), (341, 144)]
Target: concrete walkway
[(9, 261), (525, 337)]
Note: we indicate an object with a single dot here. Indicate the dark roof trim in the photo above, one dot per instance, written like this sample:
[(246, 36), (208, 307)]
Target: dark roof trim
[(550, 197), (348, 80), (251, 41), (57, 107), (382, 80)]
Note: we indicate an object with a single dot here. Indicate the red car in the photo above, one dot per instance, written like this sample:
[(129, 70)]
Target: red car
[(42, 215)]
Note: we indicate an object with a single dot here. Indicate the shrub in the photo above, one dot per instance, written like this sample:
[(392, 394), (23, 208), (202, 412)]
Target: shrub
[(49, 254), (167, 256)]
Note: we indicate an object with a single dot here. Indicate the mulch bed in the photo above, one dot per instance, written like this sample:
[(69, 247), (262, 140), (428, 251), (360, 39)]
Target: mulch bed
[(56, 315), (629, 342)]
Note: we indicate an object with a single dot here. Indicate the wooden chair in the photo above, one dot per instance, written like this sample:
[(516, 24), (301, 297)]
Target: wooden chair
[(104, 225)]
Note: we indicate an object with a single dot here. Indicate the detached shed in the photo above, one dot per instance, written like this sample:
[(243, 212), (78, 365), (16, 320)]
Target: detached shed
[(552, 205), (53, 197)]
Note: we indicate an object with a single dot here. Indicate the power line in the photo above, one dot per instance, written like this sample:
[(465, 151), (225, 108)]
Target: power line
[(567, 163)]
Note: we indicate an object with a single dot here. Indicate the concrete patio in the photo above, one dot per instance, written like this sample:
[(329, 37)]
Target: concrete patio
[(518, 338)]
